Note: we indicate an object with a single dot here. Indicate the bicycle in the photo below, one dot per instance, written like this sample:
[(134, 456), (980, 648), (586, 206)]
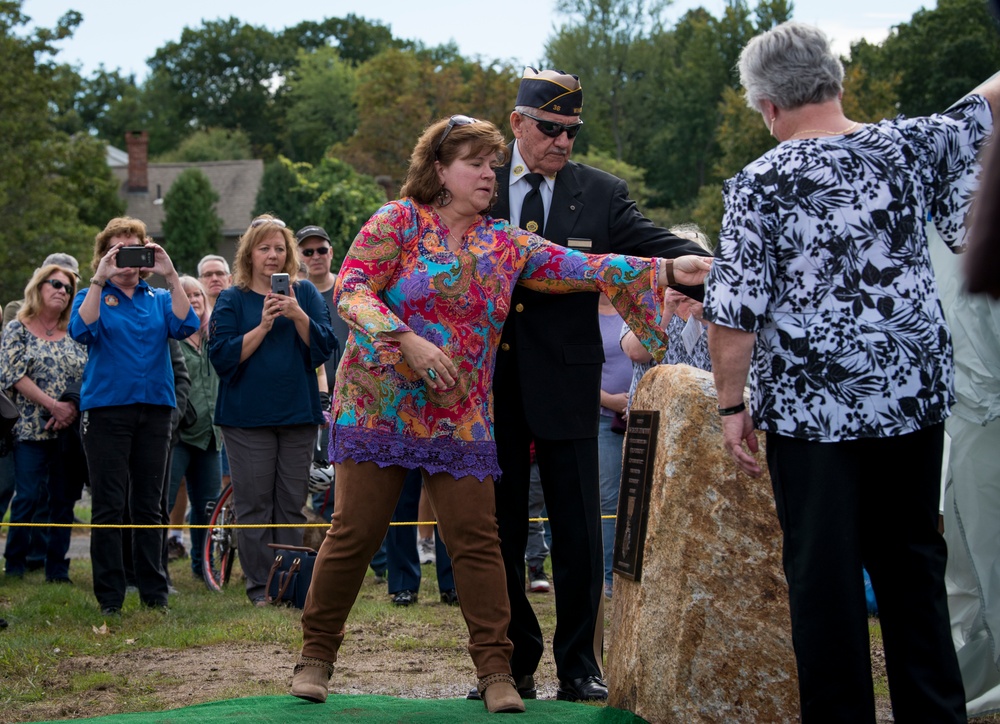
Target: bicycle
[(220, 552)]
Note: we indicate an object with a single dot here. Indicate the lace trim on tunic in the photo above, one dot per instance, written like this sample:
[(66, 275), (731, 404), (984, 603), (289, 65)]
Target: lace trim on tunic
[(437, 455)]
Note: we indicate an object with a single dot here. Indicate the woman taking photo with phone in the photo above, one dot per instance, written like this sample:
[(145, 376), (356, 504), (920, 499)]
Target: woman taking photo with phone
[(266, 346), (126, 403)]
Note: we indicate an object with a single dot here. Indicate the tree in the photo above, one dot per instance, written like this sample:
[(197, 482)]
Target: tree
[(937, 57), (227, 74), (634, 176), (54, 188), (212, 144), (357, 40), (330, 194), (320, 104), (598, 45), (107, 104), (191, 228), (401, 92), (281, 194)]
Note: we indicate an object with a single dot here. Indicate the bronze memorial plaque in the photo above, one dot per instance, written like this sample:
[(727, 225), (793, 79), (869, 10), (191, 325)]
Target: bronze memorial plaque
[(633, 495)]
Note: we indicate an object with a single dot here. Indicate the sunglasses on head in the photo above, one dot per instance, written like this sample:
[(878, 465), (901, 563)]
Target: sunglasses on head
[(322, 251), (56, 284), (258, 222), (553, 129), (452, 122)]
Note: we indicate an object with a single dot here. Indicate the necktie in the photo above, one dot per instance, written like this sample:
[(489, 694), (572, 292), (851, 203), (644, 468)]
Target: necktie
[(532, 210)]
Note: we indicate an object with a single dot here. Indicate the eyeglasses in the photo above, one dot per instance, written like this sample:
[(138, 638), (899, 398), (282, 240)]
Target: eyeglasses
[(452, 122), (258, 222), (553, 129), (56, 284), (322, 251)]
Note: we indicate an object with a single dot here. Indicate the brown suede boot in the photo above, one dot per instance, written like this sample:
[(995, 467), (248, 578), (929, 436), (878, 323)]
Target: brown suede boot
[(499, 694), (310, 678)]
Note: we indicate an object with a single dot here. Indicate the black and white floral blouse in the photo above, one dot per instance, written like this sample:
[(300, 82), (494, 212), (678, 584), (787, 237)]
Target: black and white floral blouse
[(52, 365), (823, 254)]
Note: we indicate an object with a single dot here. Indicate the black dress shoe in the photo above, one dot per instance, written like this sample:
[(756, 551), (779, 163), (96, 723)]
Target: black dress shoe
[(525, 686), (587, 688), (450, 597), (404, 598)]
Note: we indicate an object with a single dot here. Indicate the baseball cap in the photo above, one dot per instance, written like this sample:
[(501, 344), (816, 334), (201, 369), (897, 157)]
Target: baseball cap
[(65, 261), (306, 231)]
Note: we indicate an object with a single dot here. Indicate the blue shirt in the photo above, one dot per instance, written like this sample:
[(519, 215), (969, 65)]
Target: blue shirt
[(129, 359), (276, 385)]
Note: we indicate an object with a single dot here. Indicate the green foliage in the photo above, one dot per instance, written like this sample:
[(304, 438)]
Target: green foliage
[(320, 104), (225, 74), (356, 39), (330, 194), (280, 193), (937, 57), (107, 104), (191, 228), (634, 176), (741, 134), (602, 44), (212, 144), (54, 189), (400, 92)]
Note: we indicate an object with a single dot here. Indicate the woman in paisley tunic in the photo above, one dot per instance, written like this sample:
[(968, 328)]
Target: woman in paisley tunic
[(425, 290), (822, 291), (40, 361)]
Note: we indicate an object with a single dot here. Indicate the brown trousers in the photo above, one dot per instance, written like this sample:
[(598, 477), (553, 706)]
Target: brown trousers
[(365, 498)]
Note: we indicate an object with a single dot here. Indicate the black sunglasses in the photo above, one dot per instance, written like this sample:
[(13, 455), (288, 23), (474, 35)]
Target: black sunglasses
[(553, 129), (322, 251), (452, 122), (56, 284)]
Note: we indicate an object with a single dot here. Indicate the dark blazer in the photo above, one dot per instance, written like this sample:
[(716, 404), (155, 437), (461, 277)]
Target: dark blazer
[(550, 350)]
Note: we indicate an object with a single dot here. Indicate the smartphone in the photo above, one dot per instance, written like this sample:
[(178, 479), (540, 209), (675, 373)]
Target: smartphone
[(280, 284), (135, 256)]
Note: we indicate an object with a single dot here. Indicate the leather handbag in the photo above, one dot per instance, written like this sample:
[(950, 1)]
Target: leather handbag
[(290, 575)]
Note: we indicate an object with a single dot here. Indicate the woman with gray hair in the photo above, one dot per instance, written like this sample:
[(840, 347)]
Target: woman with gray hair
[(823, 292)]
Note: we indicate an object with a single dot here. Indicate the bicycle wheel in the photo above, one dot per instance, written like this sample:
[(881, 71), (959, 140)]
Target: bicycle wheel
[(220, 543)]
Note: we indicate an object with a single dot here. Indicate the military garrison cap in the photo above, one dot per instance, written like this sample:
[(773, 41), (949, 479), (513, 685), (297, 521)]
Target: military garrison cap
[(550, 90)]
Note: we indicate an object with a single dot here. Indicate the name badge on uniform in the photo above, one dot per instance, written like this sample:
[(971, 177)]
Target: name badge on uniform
[(579, 244)]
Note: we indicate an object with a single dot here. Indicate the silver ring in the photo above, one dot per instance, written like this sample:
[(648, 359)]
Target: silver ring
[(432, 374)]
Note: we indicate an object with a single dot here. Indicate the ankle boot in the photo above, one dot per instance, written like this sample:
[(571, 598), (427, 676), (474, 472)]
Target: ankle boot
[(499, 694), (310, 678)]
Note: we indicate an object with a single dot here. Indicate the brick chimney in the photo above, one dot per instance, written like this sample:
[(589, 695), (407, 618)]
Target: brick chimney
[(137, 144)]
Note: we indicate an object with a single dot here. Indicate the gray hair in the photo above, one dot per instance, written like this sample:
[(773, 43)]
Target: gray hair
[(790, 65), (692, 232), (213, 257)]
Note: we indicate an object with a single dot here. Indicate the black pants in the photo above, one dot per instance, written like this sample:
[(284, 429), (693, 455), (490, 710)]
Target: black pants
[(871, 502), (126, 450), (571, 484)]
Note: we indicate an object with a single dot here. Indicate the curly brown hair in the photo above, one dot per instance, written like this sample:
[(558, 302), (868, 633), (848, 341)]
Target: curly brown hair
[(261, 228), (465, 141)]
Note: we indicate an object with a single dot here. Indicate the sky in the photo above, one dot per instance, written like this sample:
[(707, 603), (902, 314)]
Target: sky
[(122, 36)]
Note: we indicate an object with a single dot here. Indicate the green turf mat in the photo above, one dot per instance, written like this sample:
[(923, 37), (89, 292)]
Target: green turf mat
[(289, 710)]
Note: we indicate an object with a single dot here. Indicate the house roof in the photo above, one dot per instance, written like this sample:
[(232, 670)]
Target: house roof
[(236, 182)]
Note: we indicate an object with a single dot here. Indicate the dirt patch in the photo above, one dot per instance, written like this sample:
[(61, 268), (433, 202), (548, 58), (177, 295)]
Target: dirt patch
[(172, 678), (176, 678)]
